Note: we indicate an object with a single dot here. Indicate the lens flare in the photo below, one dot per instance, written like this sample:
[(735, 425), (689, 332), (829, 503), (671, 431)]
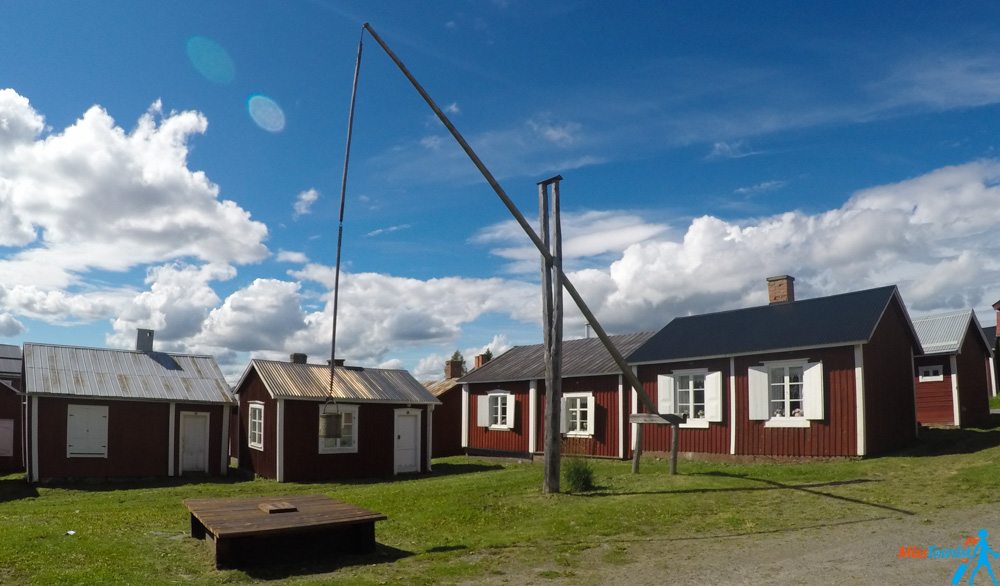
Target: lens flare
[(266, 113), (211, 60)]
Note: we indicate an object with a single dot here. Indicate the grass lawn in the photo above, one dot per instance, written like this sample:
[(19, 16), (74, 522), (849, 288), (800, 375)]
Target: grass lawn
[(995, 402), (475, 517)]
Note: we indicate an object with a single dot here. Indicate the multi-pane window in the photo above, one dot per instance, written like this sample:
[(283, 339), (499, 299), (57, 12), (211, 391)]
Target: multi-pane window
[(498, 410), (255, 426), (931, 373), (785, 395), (348, 440), (577, 414), (690, 390)]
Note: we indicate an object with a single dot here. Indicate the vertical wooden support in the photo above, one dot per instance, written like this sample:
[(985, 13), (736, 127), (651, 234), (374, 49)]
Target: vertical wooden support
[(550, 483), (637, 449), (673, 449)]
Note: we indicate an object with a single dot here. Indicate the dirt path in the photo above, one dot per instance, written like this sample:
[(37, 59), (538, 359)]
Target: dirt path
[(863, 552)]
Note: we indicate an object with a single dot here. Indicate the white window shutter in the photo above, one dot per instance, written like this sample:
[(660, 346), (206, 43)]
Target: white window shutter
[(812, 390), (713, 396), (482, 411), (564, 416), (511, 406), (591, 404), (758, 386), (665, 393)]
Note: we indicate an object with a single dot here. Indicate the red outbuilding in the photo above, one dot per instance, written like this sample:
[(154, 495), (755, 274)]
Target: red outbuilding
[(11, 410), (386, 421), (953, 375), (828, 376), (101, 413), (503, 401), (447, 432)]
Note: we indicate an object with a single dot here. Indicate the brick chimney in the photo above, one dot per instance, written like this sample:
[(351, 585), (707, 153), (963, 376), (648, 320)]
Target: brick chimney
[(299, 358), (452, 368), (481, 360), (144, 340), (337, 362), (780, 289), (996, 306)]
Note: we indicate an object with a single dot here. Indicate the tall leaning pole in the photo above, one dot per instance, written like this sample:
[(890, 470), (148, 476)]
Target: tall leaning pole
[(552, 317)]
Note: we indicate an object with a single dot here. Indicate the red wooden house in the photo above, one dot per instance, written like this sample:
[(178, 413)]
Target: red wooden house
[(953, 375), (100, 413), (11, 410), (503, 401), (387, 421), (829, 376), (447, 432)]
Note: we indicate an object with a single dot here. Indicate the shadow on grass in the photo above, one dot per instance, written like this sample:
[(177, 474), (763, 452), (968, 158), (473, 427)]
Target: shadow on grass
[(769, 485), (948, 441), (440, 470), (107, 484), (306, 561), (12, 489)]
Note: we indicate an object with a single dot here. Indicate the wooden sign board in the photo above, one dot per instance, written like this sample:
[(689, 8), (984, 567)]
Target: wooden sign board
[(656, 418)]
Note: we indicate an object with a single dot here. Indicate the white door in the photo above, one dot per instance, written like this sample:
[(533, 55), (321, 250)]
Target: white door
[(194, 442), (407, 440)]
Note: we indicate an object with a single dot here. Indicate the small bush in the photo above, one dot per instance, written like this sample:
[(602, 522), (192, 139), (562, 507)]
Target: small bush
[(579, 474)]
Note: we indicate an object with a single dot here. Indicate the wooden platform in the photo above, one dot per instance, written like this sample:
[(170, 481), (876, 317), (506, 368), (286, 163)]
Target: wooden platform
[(239, 525)]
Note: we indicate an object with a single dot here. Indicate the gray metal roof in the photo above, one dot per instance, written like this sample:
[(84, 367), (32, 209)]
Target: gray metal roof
[(848, 318), (583, 357), (288, 380), (943, 333), (10, 359), (440, 387), (123, 374)]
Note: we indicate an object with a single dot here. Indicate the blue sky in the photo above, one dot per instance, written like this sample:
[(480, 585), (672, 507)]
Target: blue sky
[(177, 166)]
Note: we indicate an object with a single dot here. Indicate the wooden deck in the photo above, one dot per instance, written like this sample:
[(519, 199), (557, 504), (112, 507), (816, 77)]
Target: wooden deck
[(237, 525)]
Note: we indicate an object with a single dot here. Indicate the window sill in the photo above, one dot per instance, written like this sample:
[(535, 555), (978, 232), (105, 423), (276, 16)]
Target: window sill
[(787, 422), (695, 424), (500, 428), (87, 456), (578, 434), (351, 450), (930, 379), (259, 448)]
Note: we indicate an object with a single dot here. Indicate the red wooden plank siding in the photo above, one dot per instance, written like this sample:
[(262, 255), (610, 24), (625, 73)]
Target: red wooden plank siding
[(10, 408), (447, 423), (607, 419), (973, 380), (656, 438), (888, 366), (835, 435), (512, 441), (934, 398)]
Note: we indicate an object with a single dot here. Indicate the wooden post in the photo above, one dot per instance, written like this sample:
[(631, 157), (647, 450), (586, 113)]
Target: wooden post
[(552, 332), (673, 449), (637, 449)]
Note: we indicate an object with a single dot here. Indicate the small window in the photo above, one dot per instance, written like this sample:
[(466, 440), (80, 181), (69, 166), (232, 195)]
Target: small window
[(788, 393), (785, 383), (255, 426), (578, 414), (86, 431), (690, 392), (347, 443), (931, 373), (495, 410)]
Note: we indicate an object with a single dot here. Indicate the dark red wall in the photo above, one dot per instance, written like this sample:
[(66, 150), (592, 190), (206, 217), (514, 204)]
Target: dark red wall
[(607, 419), (656, 438), (447, 424), (973, 380), (11, 408), (513, 441), (934, 399), (890, 410), (261, 463)]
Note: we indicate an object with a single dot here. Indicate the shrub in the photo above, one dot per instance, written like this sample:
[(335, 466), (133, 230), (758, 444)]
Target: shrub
[(579, 474)]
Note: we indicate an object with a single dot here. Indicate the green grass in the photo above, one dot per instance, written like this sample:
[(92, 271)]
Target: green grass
[(478, 518), (995, 402)]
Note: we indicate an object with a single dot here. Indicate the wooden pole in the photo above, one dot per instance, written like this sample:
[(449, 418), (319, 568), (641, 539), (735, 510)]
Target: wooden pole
[(637, 449), (673, 449), (550, 483)]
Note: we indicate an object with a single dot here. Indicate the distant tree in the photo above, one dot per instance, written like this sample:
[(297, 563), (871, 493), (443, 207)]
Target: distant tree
[(488, 355), (457, 357)]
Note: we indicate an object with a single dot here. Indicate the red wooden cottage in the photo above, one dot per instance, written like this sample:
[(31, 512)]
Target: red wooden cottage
[(447, 432), (100, 413), (387, 421), (11, 410), (829, 376), (953, 375), (503, 402)]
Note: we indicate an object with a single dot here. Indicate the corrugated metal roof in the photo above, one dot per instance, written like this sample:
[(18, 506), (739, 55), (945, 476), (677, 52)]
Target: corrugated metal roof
[(288, 380), (848, 318), (580, 358), (10, 359), (123, 374), (943, 333), (990, 334), (439, 387)]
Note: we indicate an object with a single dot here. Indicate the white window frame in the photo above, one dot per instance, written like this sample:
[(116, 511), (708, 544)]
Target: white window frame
[(568, 423), (503, 418), (351, 410), (926, 373), (99, 437), (813, 393), (667, 392), (693, 421), (255, 407)]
